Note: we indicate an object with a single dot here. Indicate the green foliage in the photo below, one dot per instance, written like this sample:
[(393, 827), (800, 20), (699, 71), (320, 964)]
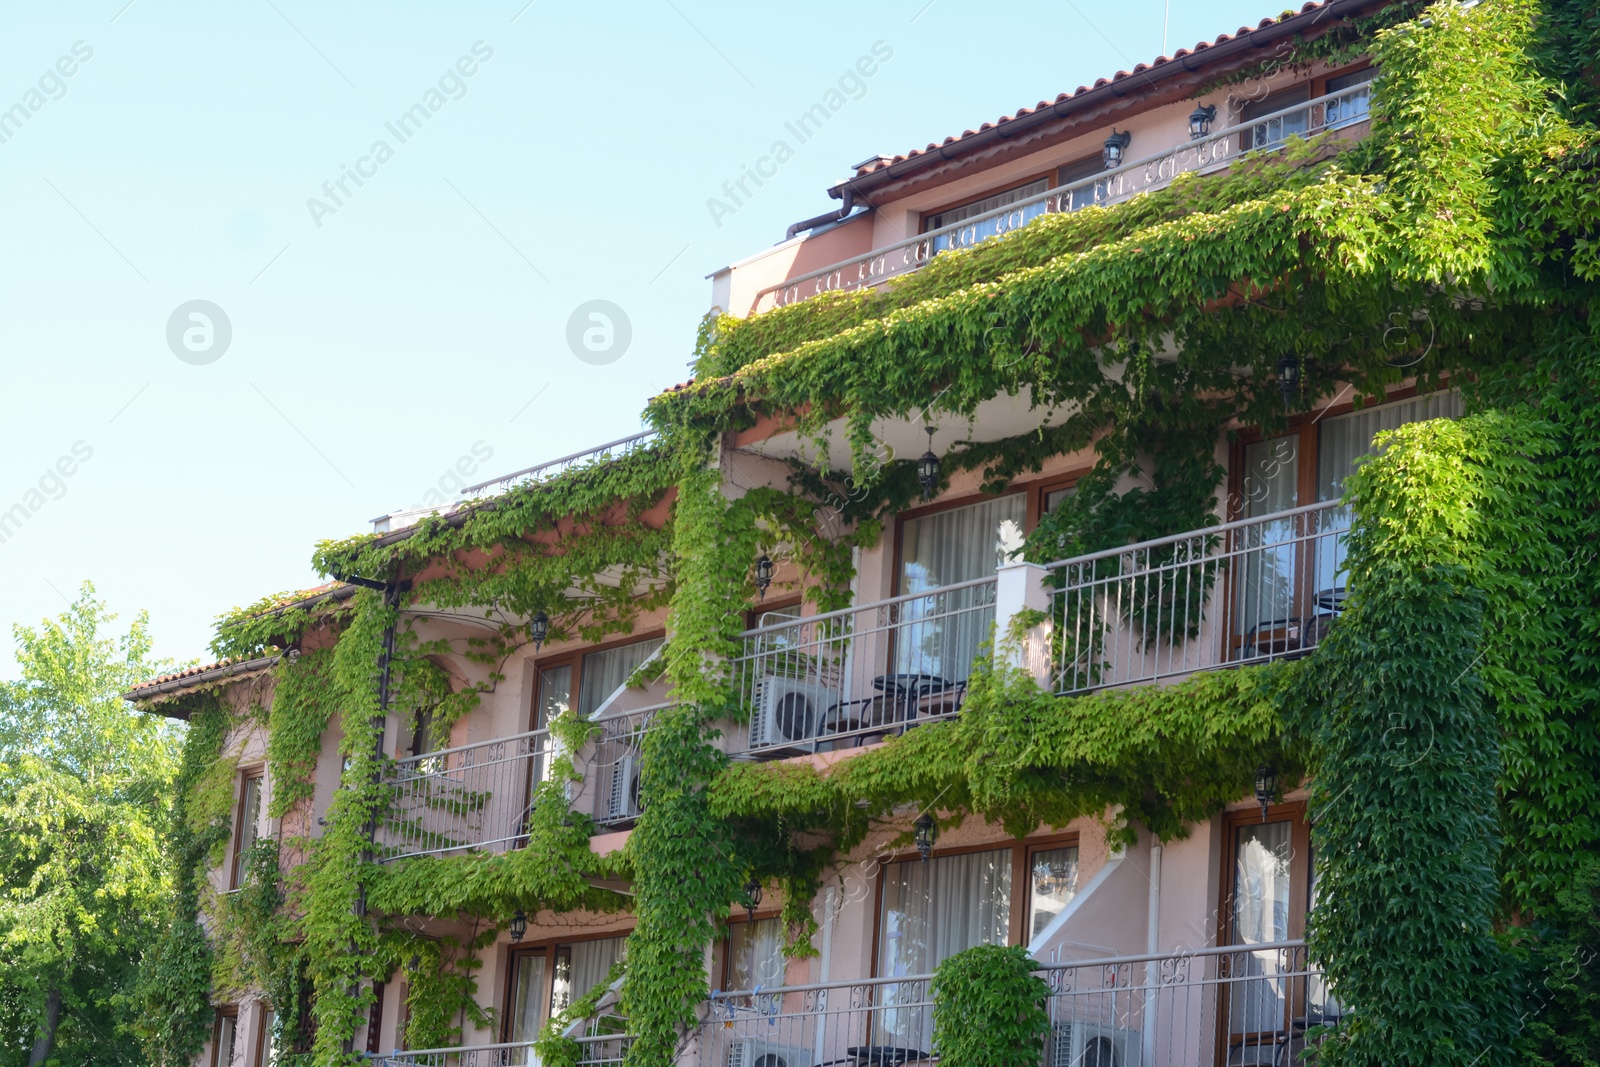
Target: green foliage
[(1400, 705), (1562, 1025), (553, 1048), (989, 1008), (299, 716), (84, 783)]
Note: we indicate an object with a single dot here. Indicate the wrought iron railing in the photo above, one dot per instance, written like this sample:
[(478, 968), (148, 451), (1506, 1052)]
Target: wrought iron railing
[(1212, 152), (472, 796), (1241, 1004), (614, 764), (543, 472), (1243, 592), (595, 1050), (858, 674)]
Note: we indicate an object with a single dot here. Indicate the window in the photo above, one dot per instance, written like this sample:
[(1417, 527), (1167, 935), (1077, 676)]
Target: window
[(1052, 883), (375, 1017), (939, 635), (245, 826), (1355, 96), (527, 995), (225, 1038), (602, 673), (267, 1046), (582, 966), (1266, 898), (932, 910), (1082, 171), (1052, 499), (985, 228), (1275, 130), (756, 960), (1287, 573)]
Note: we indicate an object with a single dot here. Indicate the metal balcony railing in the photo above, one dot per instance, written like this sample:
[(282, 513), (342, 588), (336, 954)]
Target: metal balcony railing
[(472, 796), (1212, 152), (614, 763), (858, 674), (596, 1050), (543, 472), (1243, 592), (1241, 1004)]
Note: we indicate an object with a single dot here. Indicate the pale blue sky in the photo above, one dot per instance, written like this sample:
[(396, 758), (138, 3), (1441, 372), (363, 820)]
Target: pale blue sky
[(374, 351)]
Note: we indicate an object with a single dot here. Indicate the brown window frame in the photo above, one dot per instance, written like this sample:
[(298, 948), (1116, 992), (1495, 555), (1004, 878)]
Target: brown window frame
[(258, 775), (573, 657), (724, 944), (224, 1011), (263, 1033)]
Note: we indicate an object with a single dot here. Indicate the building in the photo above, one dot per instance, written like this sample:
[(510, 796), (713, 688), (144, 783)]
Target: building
[(737, 670)]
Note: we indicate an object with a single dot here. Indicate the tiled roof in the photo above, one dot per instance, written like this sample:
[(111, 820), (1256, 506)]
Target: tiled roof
[(189, 672), (882, 162)]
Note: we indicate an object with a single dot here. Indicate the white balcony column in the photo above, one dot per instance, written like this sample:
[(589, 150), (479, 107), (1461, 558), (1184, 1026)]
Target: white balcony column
[(1019, 587)]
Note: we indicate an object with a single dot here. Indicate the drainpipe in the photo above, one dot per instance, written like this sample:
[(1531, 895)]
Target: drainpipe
[(826, 217), (391, 591), (1152, 945)]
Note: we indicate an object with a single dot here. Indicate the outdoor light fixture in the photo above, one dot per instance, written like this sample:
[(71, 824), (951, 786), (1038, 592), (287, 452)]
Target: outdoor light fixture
[(1116, 146), (1289, 379), (1200, 120), (763, 574), (539, 629), (752, 899), (1266, 787), (519, 925), (927, 833), (928, 468)]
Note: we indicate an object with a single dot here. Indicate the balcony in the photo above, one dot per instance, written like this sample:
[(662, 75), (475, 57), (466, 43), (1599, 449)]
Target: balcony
[(1241, 593), (469, 797), (1216, 151), (595, 1050), (853, 676), (611, 764), (1240, 1004)]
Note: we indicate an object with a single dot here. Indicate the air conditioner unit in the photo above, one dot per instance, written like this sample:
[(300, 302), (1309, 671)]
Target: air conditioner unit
[(1082, 1044), (752, 1052), (788, 711), (623, 800)]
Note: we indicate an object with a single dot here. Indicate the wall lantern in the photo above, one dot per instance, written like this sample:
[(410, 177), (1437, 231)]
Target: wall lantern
[(928, 468), (752, 898), (1200, 120), (1289, 379), (1116, 148), (763, 574), (519, 925), (539, 629), (1266, 787), (927, 834)]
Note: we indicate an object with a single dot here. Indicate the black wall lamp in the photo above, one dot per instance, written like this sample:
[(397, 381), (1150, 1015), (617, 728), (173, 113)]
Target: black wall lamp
[(539, 629), (1116, 148), (1200, 120), (763, 575), (928, 468), (927, 834), (1266, 787)]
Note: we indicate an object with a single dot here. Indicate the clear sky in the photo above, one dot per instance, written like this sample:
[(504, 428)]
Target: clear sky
[(157, 153)]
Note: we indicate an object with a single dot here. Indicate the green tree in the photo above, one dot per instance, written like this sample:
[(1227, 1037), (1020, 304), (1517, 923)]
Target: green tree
[(84, 788)]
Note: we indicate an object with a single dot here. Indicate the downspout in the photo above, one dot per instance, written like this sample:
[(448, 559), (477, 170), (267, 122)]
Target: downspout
[(826, 217), (1152, 945), (391, 591)]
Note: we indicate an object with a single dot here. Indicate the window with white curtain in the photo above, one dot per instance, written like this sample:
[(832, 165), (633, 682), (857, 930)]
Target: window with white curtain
[(939, 634), (580, 967), (527, 995), (604, 672), (978, 231), (756, 961), (935, 909), (1343, 439), (1053, 882)]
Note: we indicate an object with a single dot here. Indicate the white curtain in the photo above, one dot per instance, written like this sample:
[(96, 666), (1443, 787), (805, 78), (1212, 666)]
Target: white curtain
[(526, 1017), (930, 912), (978, 231), (591, 961), (1261, 899), (939, 634), (604, 672)]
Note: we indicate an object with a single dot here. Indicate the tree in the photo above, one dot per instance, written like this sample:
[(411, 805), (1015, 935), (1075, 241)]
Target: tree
[(84, 787)]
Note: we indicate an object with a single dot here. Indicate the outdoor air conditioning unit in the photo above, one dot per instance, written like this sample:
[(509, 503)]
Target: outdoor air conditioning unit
[(788, 711), (623, 800), (751, 1052), (1081, 1044)]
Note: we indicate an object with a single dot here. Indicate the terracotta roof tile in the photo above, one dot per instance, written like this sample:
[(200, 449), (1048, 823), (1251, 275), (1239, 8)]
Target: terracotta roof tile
[(888, 161)]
